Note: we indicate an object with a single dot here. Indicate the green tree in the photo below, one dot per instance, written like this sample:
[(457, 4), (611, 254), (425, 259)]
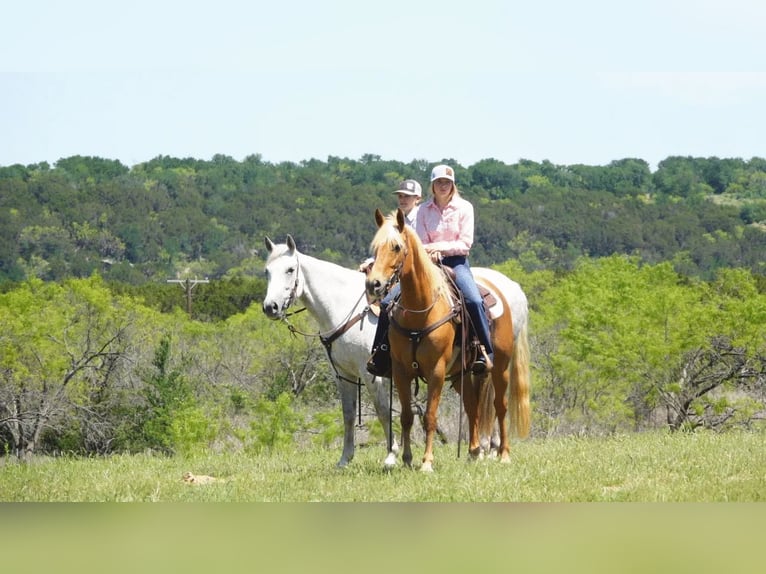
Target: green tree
[(166, 393), (61, 347), (623, 341)]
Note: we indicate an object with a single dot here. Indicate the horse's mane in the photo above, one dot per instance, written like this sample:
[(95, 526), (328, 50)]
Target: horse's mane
[(388, 233)]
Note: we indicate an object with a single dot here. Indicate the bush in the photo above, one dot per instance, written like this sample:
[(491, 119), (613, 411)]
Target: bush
[(326, 427), (275, 425), (191, 430)]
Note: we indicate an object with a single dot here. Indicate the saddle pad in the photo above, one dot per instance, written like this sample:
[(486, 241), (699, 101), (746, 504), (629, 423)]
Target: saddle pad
[(492, 301)]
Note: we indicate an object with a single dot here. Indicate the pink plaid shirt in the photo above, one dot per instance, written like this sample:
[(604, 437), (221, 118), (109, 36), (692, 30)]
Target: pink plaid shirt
[(449, 231)]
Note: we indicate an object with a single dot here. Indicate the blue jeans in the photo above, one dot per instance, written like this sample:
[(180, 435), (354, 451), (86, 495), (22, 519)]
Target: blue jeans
[(472, 297)]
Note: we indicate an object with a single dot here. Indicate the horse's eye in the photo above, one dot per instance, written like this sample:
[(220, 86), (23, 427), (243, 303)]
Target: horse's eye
[(397, 248), (291, 270)]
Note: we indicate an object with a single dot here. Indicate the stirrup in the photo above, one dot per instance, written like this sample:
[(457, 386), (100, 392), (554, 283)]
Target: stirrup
[(483, 362)]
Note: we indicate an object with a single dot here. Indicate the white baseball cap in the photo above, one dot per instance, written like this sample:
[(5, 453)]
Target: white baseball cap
[(444, 171), (410, 187)]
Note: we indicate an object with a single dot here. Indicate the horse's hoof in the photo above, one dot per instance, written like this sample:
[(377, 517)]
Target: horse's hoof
[(427, 467), (390, 461)]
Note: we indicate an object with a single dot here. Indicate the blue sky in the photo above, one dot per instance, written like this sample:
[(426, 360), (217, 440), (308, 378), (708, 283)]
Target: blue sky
[(570, 82)]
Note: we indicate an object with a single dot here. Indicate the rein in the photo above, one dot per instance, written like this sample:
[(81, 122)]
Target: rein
[(327, 339)]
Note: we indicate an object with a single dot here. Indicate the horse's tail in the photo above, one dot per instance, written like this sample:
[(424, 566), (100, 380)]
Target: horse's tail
[(520, 383), (487, 413), (518, 403)]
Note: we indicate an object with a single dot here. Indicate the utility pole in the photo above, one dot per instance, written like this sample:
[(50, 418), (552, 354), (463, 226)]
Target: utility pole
[(187, 285)]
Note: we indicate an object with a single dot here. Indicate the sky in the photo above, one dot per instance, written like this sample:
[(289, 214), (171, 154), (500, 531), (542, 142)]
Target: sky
[(570, 82)]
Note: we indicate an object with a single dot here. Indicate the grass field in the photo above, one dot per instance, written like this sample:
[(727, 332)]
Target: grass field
[(690, 471), (650, 467)]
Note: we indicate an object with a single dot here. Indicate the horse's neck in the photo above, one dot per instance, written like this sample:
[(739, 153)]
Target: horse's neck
[(418, 292), (329, 290)]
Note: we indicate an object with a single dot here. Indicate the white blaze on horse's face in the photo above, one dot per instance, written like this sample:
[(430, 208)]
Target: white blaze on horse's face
[(282, 269), (389, 251)]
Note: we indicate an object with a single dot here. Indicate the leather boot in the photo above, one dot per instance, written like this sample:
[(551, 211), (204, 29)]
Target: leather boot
[(379, 363), (483, 362)]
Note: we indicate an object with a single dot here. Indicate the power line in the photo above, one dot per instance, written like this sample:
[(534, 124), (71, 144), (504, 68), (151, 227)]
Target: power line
[(187, 285)]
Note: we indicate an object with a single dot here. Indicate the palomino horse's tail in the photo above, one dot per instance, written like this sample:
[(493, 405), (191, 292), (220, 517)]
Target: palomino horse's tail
[(518, 389), (519, 403)]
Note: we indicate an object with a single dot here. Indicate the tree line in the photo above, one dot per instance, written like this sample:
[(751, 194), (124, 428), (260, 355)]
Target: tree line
[(647, 295), (169, 216)]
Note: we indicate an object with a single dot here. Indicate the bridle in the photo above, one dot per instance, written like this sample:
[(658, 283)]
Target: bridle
[(329, 337), (294, 290), (395, 276)]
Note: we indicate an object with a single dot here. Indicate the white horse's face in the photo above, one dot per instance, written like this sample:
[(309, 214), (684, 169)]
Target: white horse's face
[(282, 272)]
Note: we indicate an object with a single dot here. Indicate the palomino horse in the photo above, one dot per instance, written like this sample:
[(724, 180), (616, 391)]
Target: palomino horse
[(423, 336), (336, 299)]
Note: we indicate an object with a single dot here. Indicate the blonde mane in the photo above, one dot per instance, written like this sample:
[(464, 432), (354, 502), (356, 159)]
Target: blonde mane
[(388, 234)]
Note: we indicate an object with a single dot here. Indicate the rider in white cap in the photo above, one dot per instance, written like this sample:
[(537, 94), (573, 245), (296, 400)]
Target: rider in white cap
[(445, 225)]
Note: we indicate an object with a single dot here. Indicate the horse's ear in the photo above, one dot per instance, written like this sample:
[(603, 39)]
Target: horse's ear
[(269, 244), (400, 220), (290, 243), (379, 217)]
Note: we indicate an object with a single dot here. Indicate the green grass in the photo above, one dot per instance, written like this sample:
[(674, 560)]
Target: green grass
[(593, 538), (650, 467)]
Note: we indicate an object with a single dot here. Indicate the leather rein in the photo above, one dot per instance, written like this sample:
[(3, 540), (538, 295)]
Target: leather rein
[(329, 337)]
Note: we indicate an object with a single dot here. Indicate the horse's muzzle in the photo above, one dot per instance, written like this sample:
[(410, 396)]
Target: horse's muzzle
[(376, 290), (272, 310)]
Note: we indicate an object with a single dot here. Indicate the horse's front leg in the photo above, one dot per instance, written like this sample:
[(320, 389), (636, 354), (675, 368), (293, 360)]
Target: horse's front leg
[(348, 404), (435, 385), (403, 388), (381, 394)]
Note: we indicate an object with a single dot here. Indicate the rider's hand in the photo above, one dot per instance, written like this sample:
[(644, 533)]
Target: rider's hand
[(366, 265)]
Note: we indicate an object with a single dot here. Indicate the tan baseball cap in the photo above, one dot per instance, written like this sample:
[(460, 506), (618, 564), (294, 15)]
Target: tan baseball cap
[(410, 187)]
